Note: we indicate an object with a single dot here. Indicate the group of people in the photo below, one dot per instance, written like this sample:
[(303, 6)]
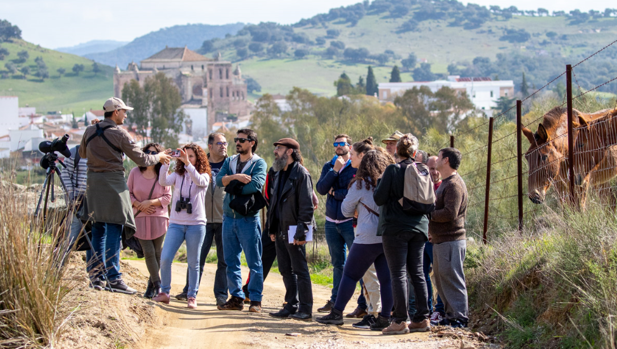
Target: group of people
[(217, 198)]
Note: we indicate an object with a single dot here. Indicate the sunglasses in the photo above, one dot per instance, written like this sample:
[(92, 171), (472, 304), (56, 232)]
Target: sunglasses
[(221, 144), (241, 140), (340, 144), (151, 152)]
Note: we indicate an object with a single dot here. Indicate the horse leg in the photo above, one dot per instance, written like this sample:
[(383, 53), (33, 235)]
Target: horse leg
[(604, 171)]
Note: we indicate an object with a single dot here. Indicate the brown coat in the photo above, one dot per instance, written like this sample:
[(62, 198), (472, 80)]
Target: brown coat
[(448, 220)]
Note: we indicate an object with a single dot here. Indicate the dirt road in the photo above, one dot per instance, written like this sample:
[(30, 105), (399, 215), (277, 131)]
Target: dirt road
[(206, 327)]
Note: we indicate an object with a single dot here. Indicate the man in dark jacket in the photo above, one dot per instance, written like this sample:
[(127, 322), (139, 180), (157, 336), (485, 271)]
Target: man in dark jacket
[(217, 153), (334, 181), (291, 212)]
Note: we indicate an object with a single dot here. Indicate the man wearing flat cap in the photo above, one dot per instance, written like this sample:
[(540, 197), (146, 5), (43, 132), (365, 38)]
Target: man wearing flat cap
[(109, 201), (391, 142), (289, 220)]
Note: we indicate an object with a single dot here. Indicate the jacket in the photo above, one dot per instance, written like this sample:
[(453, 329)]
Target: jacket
[(215, 197), (294, 205), (339, 182), (256, 168), (368, 222)]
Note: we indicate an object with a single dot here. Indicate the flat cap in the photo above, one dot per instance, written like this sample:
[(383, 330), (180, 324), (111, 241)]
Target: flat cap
[(288, 142)]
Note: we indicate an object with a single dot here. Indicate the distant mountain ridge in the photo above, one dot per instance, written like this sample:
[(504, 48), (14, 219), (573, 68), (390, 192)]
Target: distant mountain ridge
[(190, 35), (93, 46)]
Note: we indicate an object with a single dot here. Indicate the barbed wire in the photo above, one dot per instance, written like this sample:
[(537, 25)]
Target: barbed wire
[(595, 53)]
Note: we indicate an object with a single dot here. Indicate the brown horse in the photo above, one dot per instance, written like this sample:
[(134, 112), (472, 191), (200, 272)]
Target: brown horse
[(595, 152)]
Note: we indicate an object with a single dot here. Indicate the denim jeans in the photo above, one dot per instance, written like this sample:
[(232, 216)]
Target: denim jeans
[(107, 241), (213, 232), (176, 235), (428, 261), (340, 238), (74, 230), (243, 234)]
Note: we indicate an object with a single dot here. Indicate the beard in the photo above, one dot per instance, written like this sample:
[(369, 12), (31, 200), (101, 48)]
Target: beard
[(342, 152), (239, 150), (280, 163)]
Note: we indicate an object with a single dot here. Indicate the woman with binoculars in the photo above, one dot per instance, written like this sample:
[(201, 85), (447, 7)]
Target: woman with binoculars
[(188, 216)]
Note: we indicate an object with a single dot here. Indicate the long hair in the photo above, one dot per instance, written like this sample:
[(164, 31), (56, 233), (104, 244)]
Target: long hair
[(202, 165), (296, 155), (373, 164), (159, 148), (363, 146)]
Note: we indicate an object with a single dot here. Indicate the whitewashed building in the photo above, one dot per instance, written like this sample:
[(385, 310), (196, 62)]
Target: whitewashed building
[(9, 114)]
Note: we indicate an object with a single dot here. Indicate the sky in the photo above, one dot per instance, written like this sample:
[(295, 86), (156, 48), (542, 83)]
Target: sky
[(63, 23)]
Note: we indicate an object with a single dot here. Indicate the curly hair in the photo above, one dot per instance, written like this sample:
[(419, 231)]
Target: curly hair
[(159, 148), (201, 164), (373, 164)]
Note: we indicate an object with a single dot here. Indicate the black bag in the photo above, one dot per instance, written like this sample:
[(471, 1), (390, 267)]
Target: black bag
[(248, 205)]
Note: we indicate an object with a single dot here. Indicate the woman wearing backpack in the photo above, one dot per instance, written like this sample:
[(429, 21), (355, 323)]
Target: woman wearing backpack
[(188, 217), (367, 247), (150, 200), (404, 236)]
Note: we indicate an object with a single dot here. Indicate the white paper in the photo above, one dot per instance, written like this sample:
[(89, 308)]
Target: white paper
[(292, 232)]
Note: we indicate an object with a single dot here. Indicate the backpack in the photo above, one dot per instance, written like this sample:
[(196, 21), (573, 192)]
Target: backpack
[(418, 194)]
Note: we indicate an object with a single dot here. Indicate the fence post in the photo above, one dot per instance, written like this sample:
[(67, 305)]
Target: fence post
[(519, 162), (570, 133), (451, 141), (488, 179)]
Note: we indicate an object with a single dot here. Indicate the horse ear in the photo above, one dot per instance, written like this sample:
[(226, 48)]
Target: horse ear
[(582, 121), (527, 132), (542, 134)]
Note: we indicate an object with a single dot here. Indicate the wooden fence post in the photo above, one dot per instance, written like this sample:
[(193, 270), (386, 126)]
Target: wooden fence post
[(451, 141), (519, 162), (488, 179), (570, 134)]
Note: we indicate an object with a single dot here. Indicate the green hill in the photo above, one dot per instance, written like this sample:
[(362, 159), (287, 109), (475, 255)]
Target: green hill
[(70, 92)]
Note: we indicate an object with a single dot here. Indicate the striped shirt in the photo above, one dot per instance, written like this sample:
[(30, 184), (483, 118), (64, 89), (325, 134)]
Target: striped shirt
[(74, 179)]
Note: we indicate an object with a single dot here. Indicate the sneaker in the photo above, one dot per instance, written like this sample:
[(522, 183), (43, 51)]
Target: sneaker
[(255, 307), (380, 323), (191, 303), (326, 308), (366, 322), (301, 316), (162, 297), (234, 303), (334, 318), (282, 314), (97, 285), (119, 286), (458, 324), (182, 296), (357, 313), (422, 326), (219, 301), (394, 328), (436, 317)]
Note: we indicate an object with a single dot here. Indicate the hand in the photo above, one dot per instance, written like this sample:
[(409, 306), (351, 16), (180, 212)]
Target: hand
[(246, 179), (315, 208), (95, 121), (272, 237), (299, 243), (145, 205), (137, 205), (331, 192), (164, 158), (339, 163), (430, 238), (184, 156), (149, 210)]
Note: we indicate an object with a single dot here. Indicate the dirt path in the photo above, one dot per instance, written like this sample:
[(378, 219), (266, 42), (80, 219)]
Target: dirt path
[(206, 327)]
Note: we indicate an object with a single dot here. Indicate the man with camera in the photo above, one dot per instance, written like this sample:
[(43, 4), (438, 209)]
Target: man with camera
[(243, 177), (109, 201)]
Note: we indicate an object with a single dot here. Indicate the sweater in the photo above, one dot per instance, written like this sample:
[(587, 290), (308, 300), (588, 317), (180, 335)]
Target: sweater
[(448, 219), (194, 188), (331, 179), (366, 229), (140, 187), (392, 219)]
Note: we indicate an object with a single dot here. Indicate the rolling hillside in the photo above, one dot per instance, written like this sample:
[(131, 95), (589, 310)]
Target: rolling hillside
[(67, 93), (93, 46)]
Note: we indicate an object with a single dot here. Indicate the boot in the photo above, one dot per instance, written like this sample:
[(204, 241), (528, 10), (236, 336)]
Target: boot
[(156, 288), (149, 290)]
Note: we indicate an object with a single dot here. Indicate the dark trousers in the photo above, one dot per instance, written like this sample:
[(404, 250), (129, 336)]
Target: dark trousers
[(213, 233), (296, 277), (404, 253), (428, 262), (360, 258), (152, 252)]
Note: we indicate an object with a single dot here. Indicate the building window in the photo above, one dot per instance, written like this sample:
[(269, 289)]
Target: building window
[(221, 92), (210, 71), (227, 74), (242, 95), (163, 67), (192, 67), (202, 67), (385, 94), (211, 94), (491, 94), (506, 93), (221, 75), (228, 92)]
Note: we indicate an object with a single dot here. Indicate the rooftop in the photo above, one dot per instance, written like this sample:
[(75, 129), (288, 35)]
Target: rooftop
[(177, 54)]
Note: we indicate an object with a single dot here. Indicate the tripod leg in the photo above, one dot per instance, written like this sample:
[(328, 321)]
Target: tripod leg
[(38, 205)]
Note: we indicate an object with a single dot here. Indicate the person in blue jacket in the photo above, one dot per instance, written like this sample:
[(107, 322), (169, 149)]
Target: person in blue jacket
[(333, 182), (243, 233)]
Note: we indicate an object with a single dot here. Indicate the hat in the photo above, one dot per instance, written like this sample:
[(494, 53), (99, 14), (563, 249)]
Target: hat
[(114, 104), (288, 142), (394, 137)]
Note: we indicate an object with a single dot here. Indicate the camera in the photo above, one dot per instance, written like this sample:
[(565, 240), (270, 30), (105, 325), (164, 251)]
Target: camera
[(184, 203), (49, 148)]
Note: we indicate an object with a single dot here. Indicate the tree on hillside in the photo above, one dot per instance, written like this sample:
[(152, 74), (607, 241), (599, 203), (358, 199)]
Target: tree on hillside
[(410, 25), (9, 31), (251, 84), (78, 68), (242, 53), (207, 46), (360, 86), (301, 53), (277, 49), (399, 11), (157, 105), (395, 75), (256, 47), (23, 56), (343, 85), (95, 68), (42, 73), (524, 86), (61, 71), (25, 70), (371, 83), (409, 62), (503, 104), (423, 73), (3, 53), (10, 67), (382, 58)]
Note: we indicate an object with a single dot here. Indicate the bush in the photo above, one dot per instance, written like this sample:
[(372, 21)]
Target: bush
[(256, 47), (9, 31), (252, 85), (515, 35), (337, 44), (333, 33), (356, 55), (301, 53), (242, 53), (320, 41)]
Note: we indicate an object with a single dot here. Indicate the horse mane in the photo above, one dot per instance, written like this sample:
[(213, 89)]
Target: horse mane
[(552, 119)]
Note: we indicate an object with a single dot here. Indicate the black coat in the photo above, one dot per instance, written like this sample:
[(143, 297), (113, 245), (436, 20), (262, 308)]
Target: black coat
[(295, 204)]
